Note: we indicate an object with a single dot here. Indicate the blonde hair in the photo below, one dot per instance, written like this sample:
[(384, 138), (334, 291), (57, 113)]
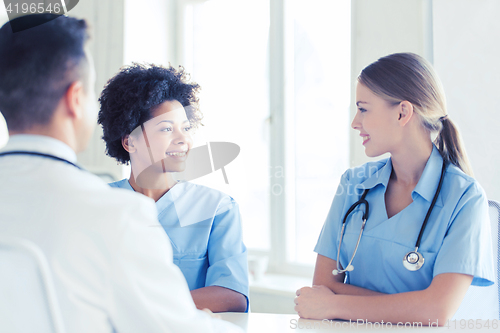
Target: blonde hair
[(409, 77)]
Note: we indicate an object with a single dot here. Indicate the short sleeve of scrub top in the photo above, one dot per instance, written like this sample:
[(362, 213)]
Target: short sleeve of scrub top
[(204, 227), (456, 239)]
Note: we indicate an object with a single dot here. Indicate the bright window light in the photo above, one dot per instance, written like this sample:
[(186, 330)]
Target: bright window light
[(321, 72), (226, 52)]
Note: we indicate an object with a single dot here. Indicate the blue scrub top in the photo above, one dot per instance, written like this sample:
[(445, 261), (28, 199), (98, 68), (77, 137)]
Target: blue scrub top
[(457, 238), (204, 228)]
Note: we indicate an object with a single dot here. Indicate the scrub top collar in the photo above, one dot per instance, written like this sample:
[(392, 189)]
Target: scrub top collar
[(427, 184), (41, 144), (429, 181), (379, 177), (167, 198)]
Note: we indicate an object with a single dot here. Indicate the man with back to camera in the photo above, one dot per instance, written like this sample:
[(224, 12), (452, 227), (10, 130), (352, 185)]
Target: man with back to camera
[(111, 261)]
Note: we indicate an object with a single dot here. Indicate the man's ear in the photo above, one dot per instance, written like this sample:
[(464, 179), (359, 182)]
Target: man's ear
[(405, 110), (75, 100), (128, 144)]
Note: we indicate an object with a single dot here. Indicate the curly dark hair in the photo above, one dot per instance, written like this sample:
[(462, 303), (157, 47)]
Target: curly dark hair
[(129, 98)]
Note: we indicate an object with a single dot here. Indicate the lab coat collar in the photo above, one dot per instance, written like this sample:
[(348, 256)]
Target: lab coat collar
[(41, 144)]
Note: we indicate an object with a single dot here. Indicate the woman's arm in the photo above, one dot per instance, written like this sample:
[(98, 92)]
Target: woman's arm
[(219, 299), (227, 274), (323, 277), (437, 303)]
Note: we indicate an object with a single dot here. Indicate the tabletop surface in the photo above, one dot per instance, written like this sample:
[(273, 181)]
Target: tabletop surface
[(277, 323)]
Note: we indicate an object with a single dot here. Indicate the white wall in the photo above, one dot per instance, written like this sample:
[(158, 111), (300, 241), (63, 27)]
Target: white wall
[(106, 19), (461, 38), (149, 31), (379, 28), (466, 56), (124, 31)]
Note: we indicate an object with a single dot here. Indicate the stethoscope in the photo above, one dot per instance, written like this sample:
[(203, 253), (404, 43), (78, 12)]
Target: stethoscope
[(34, 153), (413, 260)]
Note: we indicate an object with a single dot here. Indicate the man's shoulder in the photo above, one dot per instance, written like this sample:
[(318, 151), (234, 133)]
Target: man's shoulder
[(104, 202)]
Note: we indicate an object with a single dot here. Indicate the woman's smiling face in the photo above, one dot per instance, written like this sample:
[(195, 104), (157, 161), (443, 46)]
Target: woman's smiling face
[(165, 138), (377, 122)]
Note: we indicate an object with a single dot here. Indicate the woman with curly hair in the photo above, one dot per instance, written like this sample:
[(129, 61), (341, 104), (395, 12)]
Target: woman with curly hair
[(147, 113)]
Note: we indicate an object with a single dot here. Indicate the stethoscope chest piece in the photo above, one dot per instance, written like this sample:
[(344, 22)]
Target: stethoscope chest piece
[(413, 261)]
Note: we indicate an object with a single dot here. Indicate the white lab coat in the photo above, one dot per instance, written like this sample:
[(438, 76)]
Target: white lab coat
[(111, 260)]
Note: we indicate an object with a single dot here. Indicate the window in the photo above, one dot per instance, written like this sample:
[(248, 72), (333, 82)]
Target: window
[(275, 78), (320, 133), (225, 48)]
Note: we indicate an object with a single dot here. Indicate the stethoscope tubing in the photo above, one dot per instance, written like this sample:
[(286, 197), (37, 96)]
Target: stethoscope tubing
[(362, 200), (34, 153), (420, 234)]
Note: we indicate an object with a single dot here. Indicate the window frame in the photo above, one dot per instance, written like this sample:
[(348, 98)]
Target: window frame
[(281, 129)]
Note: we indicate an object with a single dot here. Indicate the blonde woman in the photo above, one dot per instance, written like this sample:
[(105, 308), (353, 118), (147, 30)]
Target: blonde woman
[(426, 234)]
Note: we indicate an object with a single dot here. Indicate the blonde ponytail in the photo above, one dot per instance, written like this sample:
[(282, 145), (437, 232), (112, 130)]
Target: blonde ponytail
[(449, 144)]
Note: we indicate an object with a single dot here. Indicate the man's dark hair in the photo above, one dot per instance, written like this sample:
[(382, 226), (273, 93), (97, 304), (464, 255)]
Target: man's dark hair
[(37, 66), (130, 96)]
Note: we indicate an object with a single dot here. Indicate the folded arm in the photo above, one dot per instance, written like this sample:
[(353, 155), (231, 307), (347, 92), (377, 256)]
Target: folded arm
[(437, 303), (227, 275), (219, 299), (323, 277)]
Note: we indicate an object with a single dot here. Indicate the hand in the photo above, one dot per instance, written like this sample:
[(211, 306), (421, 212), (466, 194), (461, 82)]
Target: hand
[(314, 303)]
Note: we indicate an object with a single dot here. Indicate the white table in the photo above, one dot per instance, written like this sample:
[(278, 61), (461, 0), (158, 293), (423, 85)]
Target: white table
[(278, 323)]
